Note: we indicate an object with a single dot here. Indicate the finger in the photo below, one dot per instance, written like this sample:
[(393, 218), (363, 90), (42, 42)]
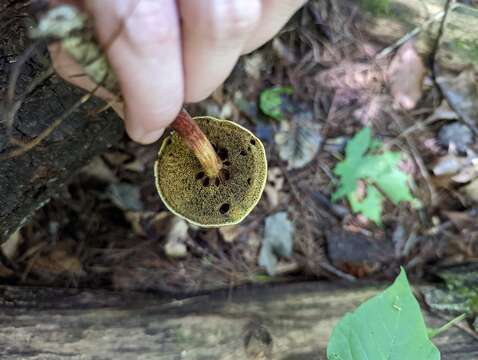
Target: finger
[(71, 2), (142, 41), (214, 34), (275, 15)]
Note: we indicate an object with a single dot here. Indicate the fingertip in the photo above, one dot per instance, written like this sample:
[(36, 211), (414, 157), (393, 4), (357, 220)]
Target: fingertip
[(145, 121), (144, 137)]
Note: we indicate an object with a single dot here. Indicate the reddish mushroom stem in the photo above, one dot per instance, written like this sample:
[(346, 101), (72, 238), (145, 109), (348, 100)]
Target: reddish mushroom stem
[(195, 139)]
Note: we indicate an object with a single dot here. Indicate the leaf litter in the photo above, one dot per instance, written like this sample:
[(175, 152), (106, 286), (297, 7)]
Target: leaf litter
[(337, 88)]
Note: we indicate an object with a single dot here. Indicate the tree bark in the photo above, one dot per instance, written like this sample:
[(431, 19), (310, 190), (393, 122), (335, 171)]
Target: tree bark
[(289, 322), (29, 180)]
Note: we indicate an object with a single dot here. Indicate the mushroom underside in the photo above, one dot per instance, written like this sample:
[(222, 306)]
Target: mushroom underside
[(223, 200)]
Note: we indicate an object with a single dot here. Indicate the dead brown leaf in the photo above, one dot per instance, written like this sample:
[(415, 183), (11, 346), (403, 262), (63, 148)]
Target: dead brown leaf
[(405, 76), (98, 169), (471, 190), (58, 262), (273, 190), (5, 272), (449, 165), (176, 239), (230, 233), (461, 219), (10, 247)]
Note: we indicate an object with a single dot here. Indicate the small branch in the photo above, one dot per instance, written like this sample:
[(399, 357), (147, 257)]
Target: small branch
[(417, 30), (27, 147)]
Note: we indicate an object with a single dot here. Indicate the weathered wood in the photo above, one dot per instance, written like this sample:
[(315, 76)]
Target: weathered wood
[(29, 180), (80, 324)]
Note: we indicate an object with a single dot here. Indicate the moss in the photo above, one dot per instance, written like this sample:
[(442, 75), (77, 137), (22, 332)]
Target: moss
[(467, 49), (207, 202), (376, 7), (474, 304)]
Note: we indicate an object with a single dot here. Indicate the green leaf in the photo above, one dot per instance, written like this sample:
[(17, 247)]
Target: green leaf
[(388, 326), (272, 101), (358, 146), (370, 206), (379, 170)]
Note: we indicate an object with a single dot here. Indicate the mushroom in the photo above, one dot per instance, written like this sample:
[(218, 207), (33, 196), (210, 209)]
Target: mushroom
[(191, 191), (207, 186)]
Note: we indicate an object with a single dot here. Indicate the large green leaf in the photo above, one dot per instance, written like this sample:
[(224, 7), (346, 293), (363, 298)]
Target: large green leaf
[(389, 326)]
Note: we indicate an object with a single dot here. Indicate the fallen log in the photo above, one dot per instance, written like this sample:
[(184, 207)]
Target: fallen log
[(285, 322), (29, 179)]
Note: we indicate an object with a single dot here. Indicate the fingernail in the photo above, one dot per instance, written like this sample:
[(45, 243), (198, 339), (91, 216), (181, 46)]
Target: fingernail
[(147, 137)]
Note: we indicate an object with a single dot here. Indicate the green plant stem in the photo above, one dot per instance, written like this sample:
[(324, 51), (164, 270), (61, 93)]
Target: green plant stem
[(435, 332)]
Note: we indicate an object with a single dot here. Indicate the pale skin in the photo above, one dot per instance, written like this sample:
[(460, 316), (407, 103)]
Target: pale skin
[(171, 52)]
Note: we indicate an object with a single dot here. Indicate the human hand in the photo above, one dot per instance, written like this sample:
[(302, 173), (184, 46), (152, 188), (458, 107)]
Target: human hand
[(168, 52)]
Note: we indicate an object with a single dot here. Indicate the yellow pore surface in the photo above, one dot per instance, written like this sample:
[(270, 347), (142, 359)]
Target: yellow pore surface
[(212, 202)]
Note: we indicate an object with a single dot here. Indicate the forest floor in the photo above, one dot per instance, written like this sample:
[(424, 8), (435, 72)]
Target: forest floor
[(109, 229)]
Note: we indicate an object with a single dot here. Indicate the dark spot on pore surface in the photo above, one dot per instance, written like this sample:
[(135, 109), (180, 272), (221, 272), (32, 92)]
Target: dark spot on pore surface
[(205, 182), (199, 175), (223, 154), (224, 174), (224, 208)]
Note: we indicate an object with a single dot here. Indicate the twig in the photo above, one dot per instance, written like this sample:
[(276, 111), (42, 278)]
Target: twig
[(420, 125), (388, 50), (12, 107), (331, 269), (26, 147)]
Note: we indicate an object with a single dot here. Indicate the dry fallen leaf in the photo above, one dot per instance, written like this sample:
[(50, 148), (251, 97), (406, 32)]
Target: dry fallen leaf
[(461, 219), (444, 112), (10, 247), (273, 189), (254, 64), (471, 190), (230, 233), (97, 168), (449, 165), (278, 241), (405, 76), (299, 141), (175, 243), (5, 272), (58, 262)]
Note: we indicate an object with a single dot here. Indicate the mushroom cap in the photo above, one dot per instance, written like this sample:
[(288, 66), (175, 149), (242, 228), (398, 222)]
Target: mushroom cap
[(226, 200)]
